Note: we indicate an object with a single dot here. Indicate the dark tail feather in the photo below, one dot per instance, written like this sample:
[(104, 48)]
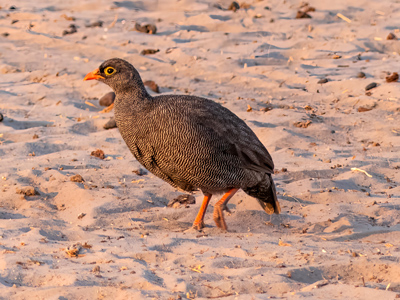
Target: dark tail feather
[(265, 194)]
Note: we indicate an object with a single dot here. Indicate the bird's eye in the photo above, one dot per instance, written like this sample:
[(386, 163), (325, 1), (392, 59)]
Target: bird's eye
[(109, 70)]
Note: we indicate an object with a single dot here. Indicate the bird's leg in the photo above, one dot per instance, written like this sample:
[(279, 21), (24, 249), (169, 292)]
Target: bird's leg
[(220, 206), (107, 109), (199, 221)]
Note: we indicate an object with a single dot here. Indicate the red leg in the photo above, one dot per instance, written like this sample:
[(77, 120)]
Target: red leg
[(199, 221), (220, 206)]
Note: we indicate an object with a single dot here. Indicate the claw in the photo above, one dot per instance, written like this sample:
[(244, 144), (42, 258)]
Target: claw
[(225, 207)]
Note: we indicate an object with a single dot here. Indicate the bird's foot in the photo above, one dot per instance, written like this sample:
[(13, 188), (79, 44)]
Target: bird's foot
[(198, 225), (219, 218)]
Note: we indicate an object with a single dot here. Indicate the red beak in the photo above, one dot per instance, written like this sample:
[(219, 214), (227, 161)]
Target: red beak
[(93, 75)]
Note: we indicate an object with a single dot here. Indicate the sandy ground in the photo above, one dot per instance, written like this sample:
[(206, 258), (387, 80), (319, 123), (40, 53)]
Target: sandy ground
[(338, 234)]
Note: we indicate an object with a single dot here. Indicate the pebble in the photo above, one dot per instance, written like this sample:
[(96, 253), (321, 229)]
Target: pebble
[(72, 29), (110, 124), (323, 80), (149, 51), (391, 36), (98, 153), (371, 86), (302, 15), (95, 24), (393, 77), (1, 117), (107, 99), (361, 75), (148, 28), (140, 172), (182, 200), (364, 109), (234, 6)]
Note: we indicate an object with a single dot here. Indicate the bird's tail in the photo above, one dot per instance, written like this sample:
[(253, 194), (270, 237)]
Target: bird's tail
[(265, 193)]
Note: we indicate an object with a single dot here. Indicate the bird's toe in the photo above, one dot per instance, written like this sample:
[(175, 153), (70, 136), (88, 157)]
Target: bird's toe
[(198, 226)]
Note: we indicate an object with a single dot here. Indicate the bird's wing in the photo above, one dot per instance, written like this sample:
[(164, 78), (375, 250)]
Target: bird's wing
[(244, 143), (221, 129)]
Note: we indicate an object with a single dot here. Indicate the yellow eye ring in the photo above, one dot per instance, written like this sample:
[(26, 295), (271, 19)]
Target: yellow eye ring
[(109, 71)]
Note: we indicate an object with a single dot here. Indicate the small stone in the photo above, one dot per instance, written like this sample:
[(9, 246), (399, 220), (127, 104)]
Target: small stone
[(72, 29), (27, 191), (148, 28), (360, 75), (107, 99), (149, 51), (328, 161), (77, 178), (393, 77), (35, 136), (5, 34), (73, 250), (98, 153), (336, 56), (95, 24), (371, 86), (234, 6), (1, 117), (140, 172), (364, 109), (323, 80), (302, 15), (81, 215), (110, 124), (391, 36), (182, 200), (152, 85)]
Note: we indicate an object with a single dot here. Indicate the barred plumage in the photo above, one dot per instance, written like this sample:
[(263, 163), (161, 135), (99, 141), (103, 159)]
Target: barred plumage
[(190, 142)]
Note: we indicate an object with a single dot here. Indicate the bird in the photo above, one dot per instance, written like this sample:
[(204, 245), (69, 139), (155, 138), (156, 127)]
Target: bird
[(191, 142)]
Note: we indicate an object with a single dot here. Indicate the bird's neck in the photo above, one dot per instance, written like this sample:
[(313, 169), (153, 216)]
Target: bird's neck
[(130, 107), (131, 96)]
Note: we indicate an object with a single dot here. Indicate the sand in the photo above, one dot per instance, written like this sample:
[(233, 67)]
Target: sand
[(111, 236)]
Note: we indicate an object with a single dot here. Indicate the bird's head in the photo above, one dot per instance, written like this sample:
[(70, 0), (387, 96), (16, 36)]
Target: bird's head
[(116, 73)]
